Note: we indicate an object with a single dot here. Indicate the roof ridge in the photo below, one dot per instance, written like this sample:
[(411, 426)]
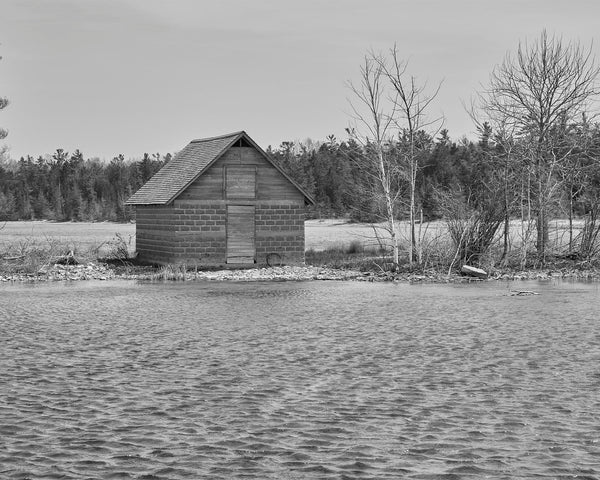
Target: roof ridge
[(234, 134)]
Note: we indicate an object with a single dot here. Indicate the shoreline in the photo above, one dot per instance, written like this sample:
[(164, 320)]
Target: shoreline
[(105, 272)]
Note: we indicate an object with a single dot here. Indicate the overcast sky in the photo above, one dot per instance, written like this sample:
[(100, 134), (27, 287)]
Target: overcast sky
[(135, 76)]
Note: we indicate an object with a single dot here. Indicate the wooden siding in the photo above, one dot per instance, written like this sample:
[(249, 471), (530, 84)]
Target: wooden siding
[(270, 184), (240, 182), (273, 186), (209, 186), (240, 234)]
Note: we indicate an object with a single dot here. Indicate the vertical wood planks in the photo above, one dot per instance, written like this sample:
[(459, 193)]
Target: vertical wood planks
[(241, 246)]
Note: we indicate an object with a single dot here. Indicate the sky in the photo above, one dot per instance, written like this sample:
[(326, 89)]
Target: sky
[(127, 77)]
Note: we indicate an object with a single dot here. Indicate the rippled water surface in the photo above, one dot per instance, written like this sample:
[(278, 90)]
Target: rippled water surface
[(299, 380)]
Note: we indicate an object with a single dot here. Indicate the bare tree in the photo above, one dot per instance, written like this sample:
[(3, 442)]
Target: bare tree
[(372, 128), (389, 121), (582, 187), (504, 153), (411, 102), (543, 88)]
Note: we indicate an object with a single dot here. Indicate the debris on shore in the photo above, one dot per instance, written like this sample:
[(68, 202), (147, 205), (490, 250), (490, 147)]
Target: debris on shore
[(521, 293), (59, 271), (105, 271), (473, 271)]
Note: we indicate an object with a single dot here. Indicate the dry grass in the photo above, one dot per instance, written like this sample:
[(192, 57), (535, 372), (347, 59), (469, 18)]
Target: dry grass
[(320, 234), (171, 272), (338, 233), (327, 233), (329, 241), (83, 233), (97, 239), (41, 241), (28, 247)]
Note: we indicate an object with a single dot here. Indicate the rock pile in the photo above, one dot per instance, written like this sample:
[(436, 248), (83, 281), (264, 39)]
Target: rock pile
[(566, 273), (275, 274), (99, 271)]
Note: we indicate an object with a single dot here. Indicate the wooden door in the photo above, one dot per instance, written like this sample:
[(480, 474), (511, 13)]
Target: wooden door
[(240, 234)]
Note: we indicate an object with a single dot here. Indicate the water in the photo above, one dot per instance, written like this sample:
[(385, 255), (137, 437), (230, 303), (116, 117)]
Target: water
[(322, 380)]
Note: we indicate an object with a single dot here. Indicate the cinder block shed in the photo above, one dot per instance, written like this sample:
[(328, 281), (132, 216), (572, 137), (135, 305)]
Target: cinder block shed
[(220, 201)]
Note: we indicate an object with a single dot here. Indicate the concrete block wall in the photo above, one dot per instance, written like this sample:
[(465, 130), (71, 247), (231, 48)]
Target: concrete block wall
[(280, 230), (154, 233), (199, 232), (194, 233)]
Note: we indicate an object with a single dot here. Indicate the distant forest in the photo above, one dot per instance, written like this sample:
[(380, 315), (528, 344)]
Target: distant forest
[(69, 187)]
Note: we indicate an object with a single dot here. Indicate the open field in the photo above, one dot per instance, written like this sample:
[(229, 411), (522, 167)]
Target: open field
[(324, 234), (82, 238), (332, 233), (320, 234)]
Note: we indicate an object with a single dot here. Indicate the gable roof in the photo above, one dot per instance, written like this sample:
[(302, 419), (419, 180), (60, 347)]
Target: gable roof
[(191, 162)]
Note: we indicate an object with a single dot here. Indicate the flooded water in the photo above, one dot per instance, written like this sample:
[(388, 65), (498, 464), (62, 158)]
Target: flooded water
[(324, 380)]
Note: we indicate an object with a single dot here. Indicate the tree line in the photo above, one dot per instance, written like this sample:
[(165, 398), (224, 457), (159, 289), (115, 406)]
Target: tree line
[(68, 187)]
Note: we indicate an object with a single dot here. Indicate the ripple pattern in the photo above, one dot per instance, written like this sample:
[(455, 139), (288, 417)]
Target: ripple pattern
[(299, 380)]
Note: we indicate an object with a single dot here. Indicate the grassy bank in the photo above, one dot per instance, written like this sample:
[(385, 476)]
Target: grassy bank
[(104, 250), (439, 268)]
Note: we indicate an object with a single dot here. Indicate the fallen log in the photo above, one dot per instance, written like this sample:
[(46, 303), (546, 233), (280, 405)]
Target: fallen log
[(473, 271), (18, 257)]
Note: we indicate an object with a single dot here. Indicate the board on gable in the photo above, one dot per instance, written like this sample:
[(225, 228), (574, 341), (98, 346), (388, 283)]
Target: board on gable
[(240, 182)]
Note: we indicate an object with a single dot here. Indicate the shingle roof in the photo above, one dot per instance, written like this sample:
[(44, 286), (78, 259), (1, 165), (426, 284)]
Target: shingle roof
[(182, 170), (188, 165)]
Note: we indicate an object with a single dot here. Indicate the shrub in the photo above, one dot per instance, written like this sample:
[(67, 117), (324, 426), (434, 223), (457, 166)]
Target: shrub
[(356, 246), (118, 248), (171, 272)]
